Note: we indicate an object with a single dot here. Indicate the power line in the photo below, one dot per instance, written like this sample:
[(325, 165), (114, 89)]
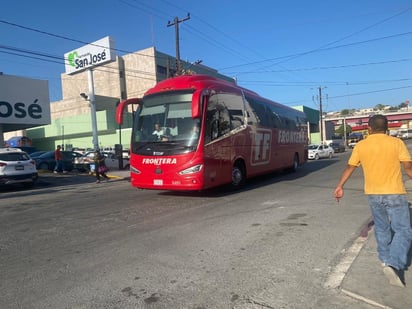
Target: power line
[(301, 101), (71, 39), (211, 39), (252, 63), (369, 92), (314, 83), (329, 67), (345, 37), (60, 60), (323, 49), (52, 58), (31, 57), (131, 73)]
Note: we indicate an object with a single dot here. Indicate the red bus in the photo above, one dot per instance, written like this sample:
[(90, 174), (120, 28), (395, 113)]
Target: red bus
[(195, 132)]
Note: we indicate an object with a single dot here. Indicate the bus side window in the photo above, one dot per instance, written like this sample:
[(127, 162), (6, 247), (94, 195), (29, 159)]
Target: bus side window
[(236, 118), (218, 118), (219, 123), (236, 122), (214, 129)]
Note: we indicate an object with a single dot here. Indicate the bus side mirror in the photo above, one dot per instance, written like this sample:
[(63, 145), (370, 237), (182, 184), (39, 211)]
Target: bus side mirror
[(197, 102), (121, 106), (197, 96)]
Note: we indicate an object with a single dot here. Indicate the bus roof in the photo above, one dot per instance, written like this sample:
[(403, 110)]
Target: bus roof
[(200, 81), (191, 82)]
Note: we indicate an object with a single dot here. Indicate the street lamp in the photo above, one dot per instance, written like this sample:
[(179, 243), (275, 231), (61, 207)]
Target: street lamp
[(94, 121)]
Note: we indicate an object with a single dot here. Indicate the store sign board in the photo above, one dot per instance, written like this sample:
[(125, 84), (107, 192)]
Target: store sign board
[(24, 100), (89, 56)]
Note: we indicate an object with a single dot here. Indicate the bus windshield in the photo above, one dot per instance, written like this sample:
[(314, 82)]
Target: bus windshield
[(164, 124)]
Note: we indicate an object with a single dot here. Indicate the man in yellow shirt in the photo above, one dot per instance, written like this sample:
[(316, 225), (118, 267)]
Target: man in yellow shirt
[(381, 157)]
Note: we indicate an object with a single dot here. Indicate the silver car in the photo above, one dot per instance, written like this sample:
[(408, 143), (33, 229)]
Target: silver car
[(315, 152), (16, 166), (86, 163)]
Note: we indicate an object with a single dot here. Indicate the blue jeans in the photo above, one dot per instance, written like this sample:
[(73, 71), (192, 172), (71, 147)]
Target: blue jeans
[(59, 166), (393, 230)]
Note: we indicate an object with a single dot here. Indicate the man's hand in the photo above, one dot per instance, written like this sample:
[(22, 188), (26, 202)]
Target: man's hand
[(338, 193), (345, 176)]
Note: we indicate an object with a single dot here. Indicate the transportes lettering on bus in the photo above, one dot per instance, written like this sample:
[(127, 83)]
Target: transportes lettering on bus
[(195, 132)]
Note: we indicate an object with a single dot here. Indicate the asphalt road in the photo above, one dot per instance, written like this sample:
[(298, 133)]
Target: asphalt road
[(71, 243)]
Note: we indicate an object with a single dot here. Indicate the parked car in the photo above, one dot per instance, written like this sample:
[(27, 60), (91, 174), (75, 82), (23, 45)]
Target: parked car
[(404, 133), (353, 139), (337, 147), (319, 151), (126, 153), (112, 161), (16, 166), (36, 154), (83, 163), (46, 160)]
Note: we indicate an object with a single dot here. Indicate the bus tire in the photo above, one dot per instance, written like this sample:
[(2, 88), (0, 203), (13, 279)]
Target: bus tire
[(238, 174), (295, 163)]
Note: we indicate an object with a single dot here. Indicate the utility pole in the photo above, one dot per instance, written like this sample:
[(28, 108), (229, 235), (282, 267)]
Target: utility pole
[(175, 23), (344, 131), (321, 114)]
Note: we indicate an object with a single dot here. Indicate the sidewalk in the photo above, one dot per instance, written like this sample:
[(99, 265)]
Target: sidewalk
[(366, 281)]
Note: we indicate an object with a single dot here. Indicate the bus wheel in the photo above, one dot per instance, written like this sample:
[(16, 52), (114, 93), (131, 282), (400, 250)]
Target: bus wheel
[(295, 163), (238, 174)]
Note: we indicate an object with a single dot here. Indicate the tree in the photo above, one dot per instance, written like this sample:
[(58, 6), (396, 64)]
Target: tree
[(340, 131), (379, 107), (345, 112)]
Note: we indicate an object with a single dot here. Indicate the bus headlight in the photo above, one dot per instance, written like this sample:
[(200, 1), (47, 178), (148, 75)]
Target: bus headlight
[(192, 170)]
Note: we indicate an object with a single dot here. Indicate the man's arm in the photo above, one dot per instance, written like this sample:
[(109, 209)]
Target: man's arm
[(345, 176), (407, 166)]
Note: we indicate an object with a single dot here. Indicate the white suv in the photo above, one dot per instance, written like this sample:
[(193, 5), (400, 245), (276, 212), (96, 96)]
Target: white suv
[(16, 166)]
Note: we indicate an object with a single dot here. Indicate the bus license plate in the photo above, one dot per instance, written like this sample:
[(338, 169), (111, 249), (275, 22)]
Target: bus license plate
[(19, 167), (158, 182)]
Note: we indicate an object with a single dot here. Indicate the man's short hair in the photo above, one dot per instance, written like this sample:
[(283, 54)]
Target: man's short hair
[(378, 123)]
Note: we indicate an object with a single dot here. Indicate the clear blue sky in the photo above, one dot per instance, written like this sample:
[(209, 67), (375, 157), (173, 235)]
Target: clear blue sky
[(358, 51)]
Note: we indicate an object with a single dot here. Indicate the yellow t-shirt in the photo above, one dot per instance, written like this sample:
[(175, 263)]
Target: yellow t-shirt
[(380, 156)]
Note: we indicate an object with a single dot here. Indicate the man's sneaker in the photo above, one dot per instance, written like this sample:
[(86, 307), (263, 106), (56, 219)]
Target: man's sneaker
[(55, 172), (64, 172), (393, 276)]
